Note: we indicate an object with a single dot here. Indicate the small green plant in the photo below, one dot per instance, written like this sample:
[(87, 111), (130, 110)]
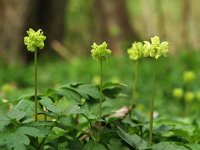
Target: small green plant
[(33, 41), (186, 94), (100, 53), (135, 53), (155, 49)]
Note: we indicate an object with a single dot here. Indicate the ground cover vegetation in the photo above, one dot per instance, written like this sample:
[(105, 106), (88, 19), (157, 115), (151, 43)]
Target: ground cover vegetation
[(139, 109)]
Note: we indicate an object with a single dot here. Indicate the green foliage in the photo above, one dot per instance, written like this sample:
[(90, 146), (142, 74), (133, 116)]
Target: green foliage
[(133, 140)]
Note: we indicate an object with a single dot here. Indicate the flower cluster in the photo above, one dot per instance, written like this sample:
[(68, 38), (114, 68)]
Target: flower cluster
[(34, 40), (153, 49), (187, 94), (100, 52), (136, 51)]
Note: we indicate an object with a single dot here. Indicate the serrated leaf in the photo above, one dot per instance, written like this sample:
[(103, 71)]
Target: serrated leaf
[(88, 90), (115, 144), (30, 131), (85, 90), (4, 121), (69, 94), (23, 108), (193, 146), (18, 139), (181, 133), (91, 145), (48, 104), (73, 110), (133, 140), (112, 90), (168, 146)]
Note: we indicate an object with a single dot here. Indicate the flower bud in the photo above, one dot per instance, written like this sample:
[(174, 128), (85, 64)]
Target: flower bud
[(178, 93), (189, 96), (189, 76)]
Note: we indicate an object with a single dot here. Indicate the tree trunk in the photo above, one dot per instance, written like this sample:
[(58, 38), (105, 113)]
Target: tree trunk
[(186, 20), (115, 26), (160, 19), (17, 16), (12, 20)]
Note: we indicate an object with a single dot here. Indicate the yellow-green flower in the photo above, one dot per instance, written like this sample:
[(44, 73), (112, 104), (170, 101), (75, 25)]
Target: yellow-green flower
[(155, 49), (100, 52), (189, 96), (178, 93), (136, 51), (34, 40), (189, 76)]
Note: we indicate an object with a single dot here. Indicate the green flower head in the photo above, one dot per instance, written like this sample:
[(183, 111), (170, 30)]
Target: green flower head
[(100, 52), (155, 48), (34, 40), (136, 51)]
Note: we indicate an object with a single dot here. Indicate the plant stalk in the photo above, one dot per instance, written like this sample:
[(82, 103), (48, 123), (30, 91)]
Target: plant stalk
[(101, 91), (152, 103), (134, 89), (36, 101)]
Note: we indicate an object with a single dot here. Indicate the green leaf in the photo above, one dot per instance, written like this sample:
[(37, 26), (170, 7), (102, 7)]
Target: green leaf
[(133, 140), (69, 94), (181, 133), (193, 146), (23, 108), (30, 131), (91, 145), (76, 145), (73, 110), (115, 144), (14, 140), (112, 90), (48, 104), (85, 90), (4, 121), (168, 146)]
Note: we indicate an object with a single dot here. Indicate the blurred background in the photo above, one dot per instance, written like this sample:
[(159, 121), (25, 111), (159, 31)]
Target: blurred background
[(71, 26)]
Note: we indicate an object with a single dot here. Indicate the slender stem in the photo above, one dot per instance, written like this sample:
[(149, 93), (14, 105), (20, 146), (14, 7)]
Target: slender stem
[(134, 88), (152, 103), (101, 93), (36, 101), (94, 135)]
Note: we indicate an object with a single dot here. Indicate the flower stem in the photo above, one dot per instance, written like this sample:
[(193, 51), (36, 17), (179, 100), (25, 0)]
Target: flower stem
[(36, 101), (134, 88), (152, 103), (101, 93)]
